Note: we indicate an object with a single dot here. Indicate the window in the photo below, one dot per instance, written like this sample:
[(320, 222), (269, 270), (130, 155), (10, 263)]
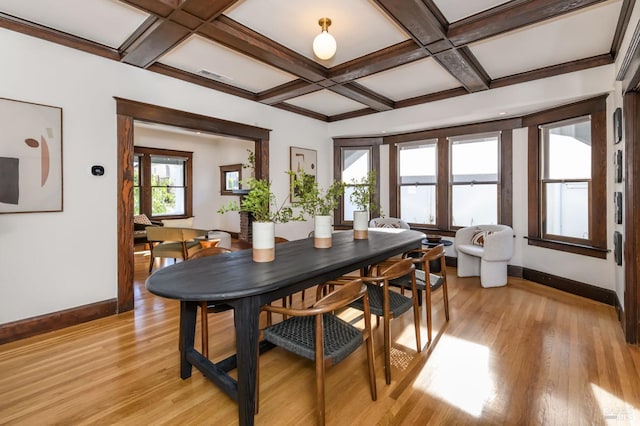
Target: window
[(230, 177), (567, 178), (354, 158), (417, 164), (356, 164), (474, 180), (163, 177)]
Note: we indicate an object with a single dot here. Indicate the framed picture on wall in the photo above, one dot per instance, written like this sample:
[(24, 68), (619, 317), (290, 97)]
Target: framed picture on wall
[(617, 196), (617, 247), (618, 163), (617, 125), (303, 160), (30, 157)]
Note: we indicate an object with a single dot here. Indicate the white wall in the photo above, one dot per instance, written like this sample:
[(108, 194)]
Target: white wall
[(55, 261)]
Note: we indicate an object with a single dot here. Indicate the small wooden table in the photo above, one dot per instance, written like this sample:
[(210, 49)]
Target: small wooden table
[(233, 278)]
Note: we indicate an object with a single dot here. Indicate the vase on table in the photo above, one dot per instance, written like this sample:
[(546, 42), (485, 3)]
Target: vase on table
[(361, 224), (322, 234), (264, 241)]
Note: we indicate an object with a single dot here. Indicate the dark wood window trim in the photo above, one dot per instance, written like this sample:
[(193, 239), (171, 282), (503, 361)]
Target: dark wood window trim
[(338, 144), (596, 245), (223, 177), (145, 154), (443, 196)]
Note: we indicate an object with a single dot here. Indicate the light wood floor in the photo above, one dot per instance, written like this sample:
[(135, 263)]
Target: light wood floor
[(520, 354)]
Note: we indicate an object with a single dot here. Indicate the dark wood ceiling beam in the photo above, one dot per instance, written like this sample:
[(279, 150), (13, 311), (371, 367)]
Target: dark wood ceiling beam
[(416, 18), (230, 33), (286, 91), (206, 9), (358, 93), (432, 97), (301, 111), (382, 60), (564, 68), (45, 33), (161, 8), (465, 68), (201, 81), (510, 16), (621, 28), (155, 43), (351, 114)]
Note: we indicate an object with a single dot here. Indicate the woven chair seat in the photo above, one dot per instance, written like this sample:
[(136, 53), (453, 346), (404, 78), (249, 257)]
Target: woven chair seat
[(405, 282), (398, 304), (297, 334)]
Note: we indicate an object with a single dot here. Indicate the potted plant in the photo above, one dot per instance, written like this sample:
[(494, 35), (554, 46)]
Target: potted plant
[(260, 202), (362, 198), (318, 203)]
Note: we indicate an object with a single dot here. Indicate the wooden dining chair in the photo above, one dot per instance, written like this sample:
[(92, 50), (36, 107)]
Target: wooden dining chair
[(424, 259), (176, 243), (317, 334), (390, 304), (207, 307)]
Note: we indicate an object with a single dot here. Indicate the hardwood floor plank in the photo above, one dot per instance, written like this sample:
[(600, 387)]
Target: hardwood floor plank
[(520, 354)]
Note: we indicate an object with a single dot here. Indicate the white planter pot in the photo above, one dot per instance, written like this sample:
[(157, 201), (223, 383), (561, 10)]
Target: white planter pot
[(322, 232), (264, 241), (360, 224)]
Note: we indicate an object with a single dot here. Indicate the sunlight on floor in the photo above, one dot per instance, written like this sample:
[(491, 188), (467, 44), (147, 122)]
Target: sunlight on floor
[(460, 375), (615, 410)]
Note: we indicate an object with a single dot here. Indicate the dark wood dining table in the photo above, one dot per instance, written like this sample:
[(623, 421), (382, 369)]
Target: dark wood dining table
[(233, 278)]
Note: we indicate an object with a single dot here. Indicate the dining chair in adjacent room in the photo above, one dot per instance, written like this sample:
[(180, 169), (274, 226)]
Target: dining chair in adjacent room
[(390, 304), (208, 307), (425, 258), (319, 335), (176, 243)]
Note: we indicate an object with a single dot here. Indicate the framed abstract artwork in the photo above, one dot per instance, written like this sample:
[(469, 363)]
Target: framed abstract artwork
[(618, 164), (617, 247), (617, 198), (303, 160), (617, 125), (30, 157)]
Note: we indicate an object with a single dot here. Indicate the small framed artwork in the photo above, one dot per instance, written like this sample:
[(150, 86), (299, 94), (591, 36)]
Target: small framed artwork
[(618, 163), (30, 157), (617, 125), (230, 177), (617, 247), (303, 160), (617, 196)]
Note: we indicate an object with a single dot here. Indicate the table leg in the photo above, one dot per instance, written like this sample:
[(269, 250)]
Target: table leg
[(188, 311), (247, 315)]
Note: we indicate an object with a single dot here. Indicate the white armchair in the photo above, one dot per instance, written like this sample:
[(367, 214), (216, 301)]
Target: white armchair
[(486, 255)]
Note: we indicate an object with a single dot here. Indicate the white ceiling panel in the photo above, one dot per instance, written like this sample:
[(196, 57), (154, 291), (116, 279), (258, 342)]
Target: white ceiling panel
[(200, 56), (454, 10), (326, 102), (410, 80), (107, 22), (574, 36), (357, 25)]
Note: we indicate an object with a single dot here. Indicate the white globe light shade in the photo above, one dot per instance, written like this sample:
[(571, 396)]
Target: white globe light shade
[(324, 45)]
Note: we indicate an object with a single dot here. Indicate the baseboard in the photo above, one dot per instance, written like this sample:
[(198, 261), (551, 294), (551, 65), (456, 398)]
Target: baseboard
[(54, 321), (570, 286)]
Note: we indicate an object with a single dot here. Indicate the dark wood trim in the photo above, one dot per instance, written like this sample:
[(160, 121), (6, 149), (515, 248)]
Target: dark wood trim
[(201, 81), (582, 249), (631, 109), (567, 285), (563, 112), (533, 179), (629, 73), (125, 213), (443, 186), (188, 120), (286, 91), (515, 271), (463, 65), (416, 19), (394, 198), (153, 44), (21, 329), (127, 112), (621, 28), (45, 33), (510, 16), (465, 129), (301, 111), (505, 198), (553, 70), (223, 177), (352, 114), (361, 94), (432, 97)]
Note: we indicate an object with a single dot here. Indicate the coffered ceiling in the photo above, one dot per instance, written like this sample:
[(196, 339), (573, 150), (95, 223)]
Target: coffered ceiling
[(391, 53)]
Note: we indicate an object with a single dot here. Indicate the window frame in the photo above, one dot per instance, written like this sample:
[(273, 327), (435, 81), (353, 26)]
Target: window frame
[(223, 178), (339, 144), (596, 244), (145, 154), (399, 184)]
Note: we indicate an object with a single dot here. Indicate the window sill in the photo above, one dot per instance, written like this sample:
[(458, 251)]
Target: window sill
[(581, 249)]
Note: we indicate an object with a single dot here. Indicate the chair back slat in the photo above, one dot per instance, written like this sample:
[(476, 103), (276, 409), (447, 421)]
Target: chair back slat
[(346, 294), (397, 269), (209, 251)]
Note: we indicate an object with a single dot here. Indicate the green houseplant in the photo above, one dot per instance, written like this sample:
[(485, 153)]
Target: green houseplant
[(317, 202), (260, 202), (362, 197)]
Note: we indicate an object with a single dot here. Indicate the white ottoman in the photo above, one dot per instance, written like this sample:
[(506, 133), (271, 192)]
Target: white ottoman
[(224, 237)]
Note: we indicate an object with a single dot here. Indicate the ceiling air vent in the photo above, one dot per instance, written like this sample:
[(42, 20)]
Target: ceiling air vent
[(213, 75)]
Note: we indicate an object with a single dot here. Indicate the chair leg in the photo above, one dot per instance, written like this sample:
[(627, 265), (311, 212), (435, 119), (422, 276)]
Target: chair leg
[(387, 350), (320, 390), (416, 323), (427, 307), (371, 359), (204, 329), (151, 259)]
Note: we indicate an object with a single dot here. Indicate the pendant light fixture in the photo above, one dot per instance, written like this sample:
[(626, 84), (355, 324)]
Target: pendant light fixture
[(324, 45)]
